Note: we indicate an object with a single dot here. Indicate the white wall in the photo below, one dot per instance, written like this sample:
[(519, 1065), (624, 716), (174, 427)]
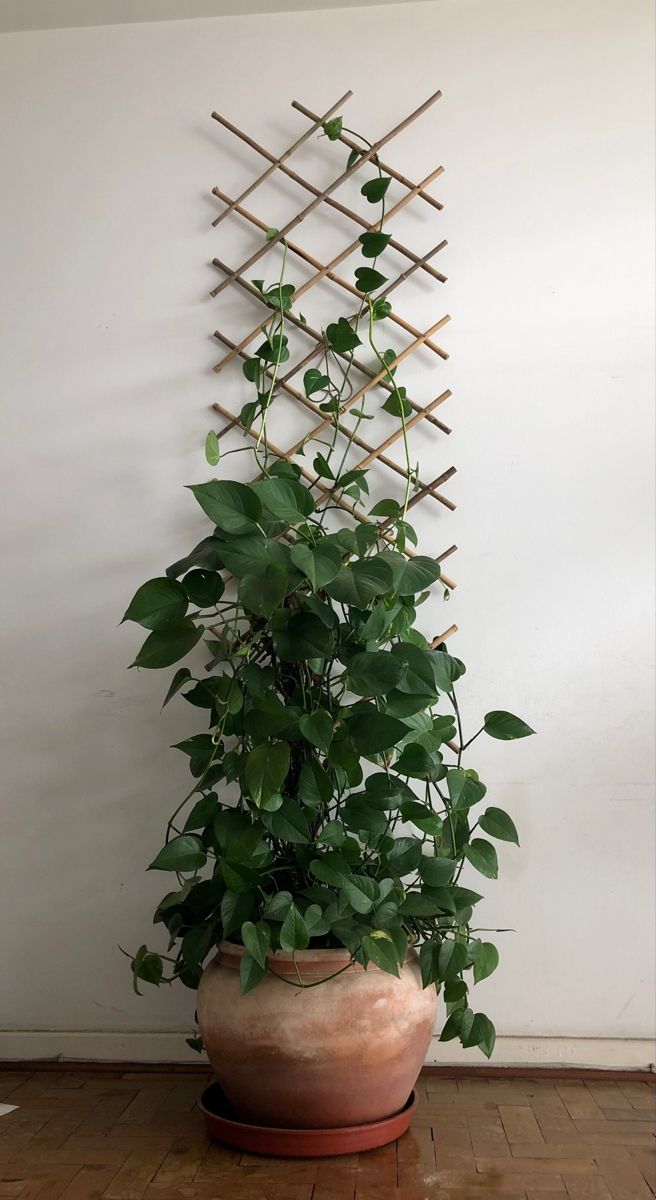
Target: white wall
[(109, 153)]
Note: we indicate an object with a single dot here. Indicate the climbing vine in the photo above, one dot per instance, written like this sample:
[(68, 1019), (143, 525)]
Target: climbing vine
[(335, 721)]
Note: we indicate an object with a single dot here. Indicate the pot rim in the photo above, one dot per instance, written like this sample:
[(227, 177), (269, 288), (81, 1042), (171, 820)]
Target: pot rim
[(321, 958)]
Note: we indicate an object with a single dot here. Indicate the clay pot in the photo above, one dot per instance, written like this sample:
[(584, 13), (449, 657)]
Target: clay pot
[(344, 1053)]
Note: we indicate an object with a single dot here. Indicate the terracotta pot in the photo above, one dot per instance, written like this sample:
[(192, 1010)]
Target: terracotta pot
[(344, 1053)]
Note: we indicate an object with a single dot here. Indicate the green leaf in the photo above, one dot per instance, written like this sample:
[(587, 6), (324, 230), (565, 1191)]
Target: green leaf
[(332, 868), (369, 280), (404, 855), (196, 945), (279, 296), (447, 670), (266, 769), (418, 763), (485, 958), (374, 674), (499, 825), (464, 790), (380, 308), (361, 892), (314, 785), (207, 554), (322, 610), (464, 897), (380, 949), (315, 920), (483, 857), (263, 594), (199, 746), (385, 508), (373, 243), (428, 961), (481, 1033), (183, 853), (315, 381), (317, 728), (238, 877), (373, 732), (374, 189), (417, 904), (361, 582), (359, 817), (419, 675), (506, 727), (418, 574), (252, 555), (232, 506), (182, 676), (251, 972), (286, 499), (452, 958), (452, 1026), (294, 934), (203, 813), (172, 900), (455, 990), (332, 834), (212, 448), (437, 872), (444, 728), (147, 967), (323, 468), (396, 404), (422, 817), (276, 908), (163, 647), (288, 823), (256, 939), (158, 603), (304, 637), (342, 337), (251, 369), (273, 349), (333, 128), (320, 564), (203, 588), (236, 907)]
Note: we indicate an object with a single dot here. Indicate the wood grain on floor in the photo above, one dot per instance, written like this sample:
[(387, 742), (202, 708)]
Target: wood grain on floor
[(126, 1135)]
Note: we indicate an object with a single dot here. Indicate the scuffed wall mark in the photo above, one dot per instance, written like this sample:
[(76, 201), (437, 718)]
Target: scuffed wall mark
[(625, 1006)]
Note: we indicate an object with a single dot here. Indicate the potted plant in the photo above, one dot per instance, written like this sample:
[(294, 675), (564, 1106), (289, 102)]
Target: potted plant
[(319, 906)]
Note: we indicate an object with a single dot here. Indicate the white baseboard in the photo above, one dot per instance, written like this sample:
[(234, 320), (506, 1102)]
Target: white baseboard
[(618, 1053), (112, 1046)]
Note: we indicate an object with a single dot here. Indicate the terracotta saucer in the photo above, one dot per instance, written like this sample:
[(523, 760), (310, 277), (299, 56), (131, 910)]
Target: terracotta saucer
[(299, 1143)]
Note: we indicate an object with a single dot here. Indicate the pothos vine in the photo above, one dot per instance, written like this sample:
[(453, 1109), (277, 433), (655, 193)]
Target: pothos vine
[(330, 805)]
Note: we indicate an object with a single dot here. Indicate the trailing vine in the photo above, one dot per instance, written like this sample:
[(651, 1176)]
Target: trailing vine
[(328, 713)]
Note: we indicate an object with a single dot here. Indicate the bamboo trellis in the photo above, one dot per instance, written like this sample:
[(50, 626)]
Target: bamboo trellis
[(373, 451)]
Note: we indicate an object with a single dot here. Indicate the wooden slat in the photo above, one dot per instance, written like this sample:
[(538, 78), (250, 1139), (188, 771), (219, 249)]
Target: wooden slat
[(385, 167), (364, 158), (282, 158), (322, 270)]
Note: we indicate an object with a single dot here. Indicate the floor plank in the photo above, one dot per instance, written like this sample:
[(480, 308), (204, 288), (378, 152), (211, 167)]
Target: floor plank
[(140, 1136)]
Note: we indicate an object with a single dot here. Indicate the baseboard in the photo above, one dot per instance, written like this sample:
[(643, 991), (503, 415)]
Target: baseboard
[(604, 1053), (138, 1047)]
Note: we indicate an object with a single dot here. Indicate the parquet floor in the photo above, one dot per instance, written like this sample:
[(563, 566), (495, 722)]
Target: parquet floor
[(80, 1135)]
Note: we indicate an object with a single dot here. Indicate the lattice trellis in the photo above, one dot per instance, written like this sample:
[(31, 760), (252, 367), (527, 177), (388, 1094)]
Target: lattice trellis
[(374, 451)]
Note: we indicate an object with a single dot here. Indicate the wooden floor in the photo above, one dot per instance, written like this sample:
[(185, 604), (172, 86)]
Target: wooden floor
[(126, 1135)]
